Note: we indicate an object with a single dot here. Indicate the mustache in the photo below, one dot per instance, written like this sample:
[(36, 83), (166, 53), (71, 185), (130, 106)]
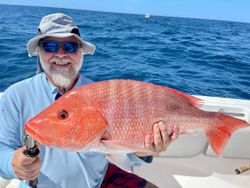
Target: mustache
[(58, 60)]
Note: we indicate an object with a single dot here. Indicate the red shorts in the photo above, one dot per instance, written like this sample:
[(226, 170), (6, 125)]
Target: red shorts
[(116, 177)]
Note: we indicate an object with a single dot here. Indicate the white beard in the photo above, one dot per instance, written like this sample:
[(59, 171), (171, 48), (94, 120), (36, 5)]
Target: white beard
[(61, 78)]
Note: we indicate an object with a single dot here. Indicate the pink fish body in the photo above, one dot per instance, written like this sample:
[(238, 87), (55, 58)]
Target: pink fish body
[(125, 110)]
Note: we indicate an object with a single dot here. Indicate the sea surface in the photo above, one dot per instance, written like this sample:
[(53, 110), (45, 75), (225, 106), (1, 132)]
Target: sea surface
[(202, 57)]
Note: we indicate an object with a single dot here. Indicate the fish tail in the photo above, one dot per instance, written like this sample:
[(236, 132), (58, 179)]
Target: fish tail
[(219, 135)]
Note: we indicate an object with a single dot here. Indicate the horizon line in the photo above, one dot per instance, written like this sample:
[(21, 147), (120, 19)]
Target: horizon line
[(132, 13)]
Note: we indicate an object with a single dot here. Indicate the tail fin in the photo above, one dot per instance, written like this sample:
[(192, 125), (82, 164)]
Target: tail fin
[(219, 135)]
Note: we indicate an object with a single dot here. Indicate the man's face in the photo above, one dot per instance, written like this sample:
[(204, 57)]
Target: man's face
[(60, 67)]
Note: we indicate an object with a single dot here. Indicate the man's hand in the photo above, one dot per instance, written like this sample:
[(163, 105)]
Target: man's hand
[(163, 135), (25, 168)]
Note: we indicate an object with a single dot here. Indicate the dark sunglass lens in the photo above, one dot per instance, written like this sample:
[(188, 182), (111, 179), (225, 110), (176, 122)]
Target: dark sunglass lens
[(70, 47), (50, 46)]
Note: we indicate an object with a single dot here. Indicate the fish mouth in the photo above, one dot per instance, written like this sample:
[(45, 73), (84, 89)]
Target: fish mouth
[(41, 139)]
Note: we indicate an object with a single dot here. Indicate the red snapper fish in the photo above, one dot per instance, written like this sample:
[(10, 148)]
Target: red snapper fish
[(125, 110)]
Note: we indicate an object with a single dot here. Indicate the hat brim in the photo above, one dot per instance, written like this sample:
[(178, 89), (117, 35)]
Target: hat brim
[(32, 44)]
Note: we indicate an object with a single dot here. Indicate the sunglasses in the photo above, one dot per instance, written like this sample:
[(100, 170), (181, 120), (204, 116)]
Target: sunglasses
[(54, 46)]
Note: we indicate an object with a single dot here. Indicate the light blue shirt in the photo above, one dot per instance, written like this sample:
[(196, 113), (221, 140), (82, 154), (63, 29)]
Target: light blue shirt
[(60, 169)]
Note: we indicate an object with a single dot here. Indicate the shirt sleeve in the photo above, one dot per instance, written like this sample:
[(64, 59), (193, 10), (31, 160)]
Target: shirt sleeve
[(138, 161), (9, 134)]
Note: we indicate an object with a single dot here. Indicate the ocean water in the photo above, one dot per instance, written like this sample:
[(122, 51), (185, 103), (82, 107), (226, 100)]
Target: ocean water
[(202, 57)]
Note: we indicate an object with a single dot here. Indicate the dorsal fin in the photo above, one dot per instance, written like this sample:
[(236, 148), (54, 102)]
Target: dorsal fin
[(193, 100)]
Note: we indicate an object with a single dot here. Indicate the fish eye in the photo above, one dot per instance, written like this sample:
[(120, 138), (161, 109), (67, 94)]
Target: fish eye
[(62, 114)]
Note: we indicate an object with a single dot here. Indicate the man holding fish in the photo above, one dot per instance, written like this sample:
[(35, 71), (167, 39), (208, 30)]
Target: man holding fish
[(60, 51)]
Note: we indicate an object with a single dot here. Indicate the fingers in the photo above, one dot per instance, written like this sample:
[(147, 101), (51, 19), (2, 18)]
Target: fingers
[(158, 142), (163, 135), (25, 167), (149, 143), (175, 133), (28, 174), (165, 132)]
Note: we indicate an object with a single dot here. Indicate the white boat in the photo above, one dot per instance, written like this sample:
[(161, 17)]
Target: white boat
[(190, 162), (147, 16)]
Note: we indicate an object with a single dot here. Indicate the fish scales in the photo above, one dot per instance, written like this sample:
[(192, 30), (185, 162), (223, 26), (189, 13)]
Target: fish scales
[(125, 110), (132, 107)]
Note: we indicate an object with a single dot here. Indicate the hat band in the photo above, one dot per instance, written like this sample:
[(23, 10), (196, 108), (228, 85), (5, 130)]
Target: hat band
[(74, 31)]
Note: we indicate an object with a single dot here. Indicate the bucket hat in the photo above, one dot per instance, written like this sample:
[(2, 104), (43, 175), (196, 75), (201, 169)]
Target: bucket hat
[(57, 25)]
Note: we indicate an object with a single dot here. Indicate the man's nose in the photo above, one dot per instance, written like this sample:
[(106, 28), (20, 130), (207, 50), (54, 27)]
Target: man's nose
[(60, 53)]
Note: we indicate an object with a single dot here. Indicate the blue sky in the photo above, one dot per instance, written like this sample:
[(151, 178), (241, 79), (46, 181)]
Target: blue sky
[(232, 10)]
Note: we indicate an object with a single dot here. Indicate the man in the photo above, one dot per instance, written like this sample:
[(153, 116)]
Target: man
[(60, 51)]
